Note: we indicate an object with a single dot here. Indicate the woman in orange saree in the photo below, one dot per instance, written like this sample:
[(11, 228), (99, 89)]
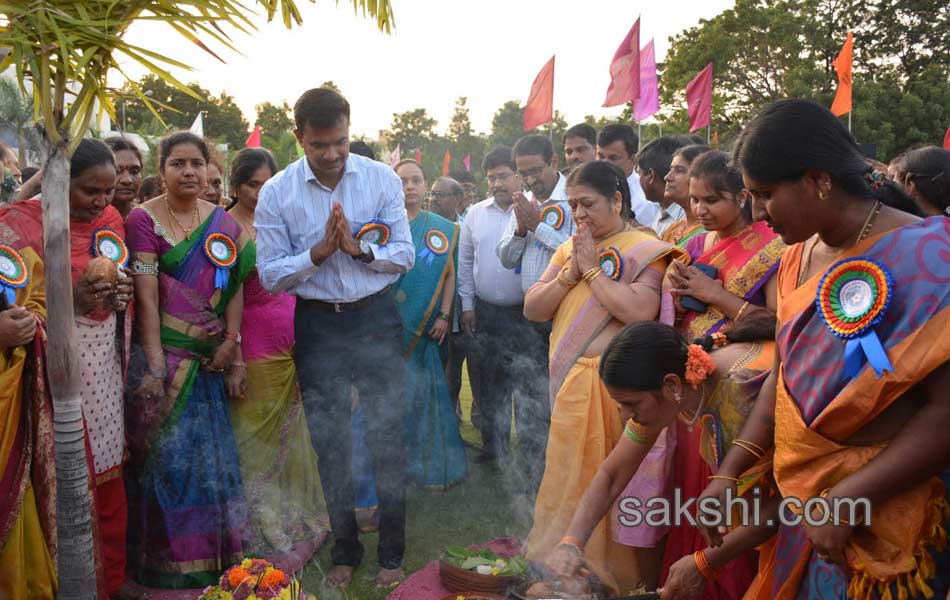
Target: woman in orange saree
[(858, 392)]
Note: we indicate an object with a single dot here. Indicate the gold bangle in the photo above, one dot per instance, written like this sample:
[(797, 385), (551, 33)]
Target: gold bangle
[(744, 306), (591, 273), (753, 444), (564, 281), (747, 446), (726, 477)]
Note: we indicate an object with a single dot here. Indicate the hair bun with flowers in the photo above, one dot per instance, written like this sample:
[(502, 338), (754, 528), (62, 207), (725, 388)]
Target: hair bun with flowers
[(699, 365)]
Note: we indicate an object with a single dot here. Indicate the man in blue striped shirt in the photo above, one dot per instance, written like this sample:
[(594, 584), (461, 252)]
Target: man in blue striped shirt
[(332, 230)]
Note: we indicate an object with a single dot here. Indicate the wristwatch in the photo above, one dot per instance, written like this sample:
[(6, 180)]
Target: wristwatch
[(366, 252)]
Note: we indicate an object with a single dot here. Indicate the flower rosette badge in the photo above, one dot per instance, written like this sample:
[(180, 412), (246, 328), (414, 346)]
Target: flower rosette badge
[(611, 263), (222, 252), (437, 244), (13, 273), (853, 297), (553, 216), (374, 232), (108, 243)]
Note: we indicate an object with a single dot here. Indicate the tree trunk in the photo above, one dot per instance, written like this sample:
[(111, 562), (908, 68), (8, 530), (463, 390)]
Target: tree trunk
[(76, 564)]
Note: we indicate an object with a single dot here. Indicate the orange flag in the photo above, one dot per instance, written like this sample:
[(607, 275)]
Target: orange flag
[(446, 162), (540, 107), (842, 103)]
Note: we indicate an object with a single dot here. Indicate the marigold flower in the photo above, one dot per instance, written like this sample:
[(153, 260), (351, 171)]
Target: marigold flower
[(237, 576), (273, 578), (699, 365)]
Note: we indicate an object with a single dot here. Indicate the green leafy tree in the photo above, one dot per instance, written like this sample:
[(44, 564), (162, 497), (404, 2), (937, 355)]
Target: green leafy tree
[(16, 114), (507, 125), (274, 120), (763, 50), (331, 86), (411, 129), (178, 109), (66, 50)]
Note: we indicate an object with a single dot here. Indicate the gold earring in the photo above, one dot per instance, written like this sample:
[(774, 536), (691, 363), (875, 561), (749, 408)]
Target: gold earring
[(822, 195), (677, 398)]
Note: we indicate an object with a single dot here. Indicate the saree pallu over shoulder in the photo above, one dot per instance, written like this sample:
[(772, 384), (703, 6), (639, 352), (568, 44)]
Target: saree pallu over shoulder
[(580, 318), (28, 537), (419, 292), (745, 263), (817, 406)]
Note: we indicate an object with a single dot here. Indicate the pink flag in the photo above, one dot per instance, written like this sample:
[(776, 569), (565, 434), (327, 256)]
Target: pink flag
[(699, 99), (648, 103), (419, 155), (540, 107), (394, 158), (625, 70), (254, 140), (946, 139), (467, 161)]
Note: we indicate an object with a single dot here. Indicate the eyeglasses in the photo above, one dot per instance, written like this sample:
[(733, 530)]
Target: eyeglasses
[(440, 195), (500, 178)]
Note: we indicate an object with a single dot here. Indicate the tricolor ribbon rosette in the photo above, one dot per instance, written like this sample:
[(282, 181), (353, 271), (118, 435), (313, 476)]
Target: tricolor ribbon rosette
[(108, 243), (13, 273), (853, 297), (437, 244), (222, 252), (553, 216), (374, 232), (611, 263)]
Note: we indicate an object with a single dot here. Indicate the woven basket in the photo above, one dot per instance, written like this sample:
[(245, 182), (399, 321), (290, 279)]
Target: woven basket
[(456, 579)]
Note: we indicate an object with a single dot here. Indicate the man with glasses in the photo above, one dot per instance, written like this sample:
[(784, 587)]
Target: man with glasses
[(492, 293), (538, 225)]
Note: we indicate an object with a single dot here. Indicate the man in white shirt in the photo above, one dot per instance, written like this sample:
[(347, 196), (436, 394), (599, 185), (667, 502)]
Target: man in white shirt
[(537, 227), (313, 222), (492, 300), (653, 163), (618, 144)]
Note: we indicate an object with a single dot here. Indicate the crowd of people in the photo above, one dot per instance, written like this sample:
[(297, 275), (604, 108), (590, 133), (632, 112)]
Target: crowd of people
[(275, 365)]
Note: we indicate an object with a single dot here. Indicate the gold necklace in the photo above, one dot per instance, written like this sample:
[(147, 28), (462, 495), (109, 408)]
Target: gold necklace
[(248, 227), (699, 410), (185, 231), (865, 231)]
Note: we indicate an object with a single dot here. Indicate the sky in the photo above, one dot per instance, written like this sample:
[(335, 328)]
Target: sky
[(488, 51)]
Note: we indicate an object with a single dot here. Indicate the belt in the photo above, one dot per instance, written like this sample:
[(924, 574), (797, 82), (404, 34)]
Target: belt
[(342, 307)]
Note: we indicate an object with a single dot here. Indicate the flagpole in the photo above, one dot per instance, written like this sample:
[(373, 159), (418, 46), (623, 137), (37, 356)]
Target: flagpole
[(708, 127), (849, 120), (660, 124), (639, 136)]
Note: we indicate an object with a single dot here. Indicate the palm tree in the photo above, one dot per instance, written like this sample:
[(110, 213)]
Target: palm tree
[(65, 50)]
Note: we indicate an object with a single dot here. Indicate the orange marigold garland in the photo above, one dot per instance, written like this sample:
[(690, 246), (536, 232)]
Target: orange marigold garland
[(699, 365)]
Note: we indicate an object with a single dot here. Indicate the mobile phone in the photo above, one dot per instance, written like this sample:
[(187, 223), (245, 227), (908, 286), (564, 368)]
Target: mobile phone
[(690, 303)]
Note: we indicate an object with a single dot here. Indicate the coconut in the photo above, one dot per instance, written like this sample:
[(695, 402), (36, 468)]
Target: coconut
[(103, 268)]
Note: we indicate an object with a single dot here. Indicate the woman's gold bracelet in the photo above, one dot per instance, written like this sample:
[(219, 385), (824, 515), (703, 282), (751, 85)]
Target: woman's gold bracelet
[(749, 447), (744, 306), (564, 281), (592, 273)]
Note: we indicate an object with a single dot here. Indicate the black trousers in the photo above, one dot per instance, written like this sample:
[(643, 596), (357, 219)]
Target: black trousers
[(462, 348), (362, 348), (513, 361)]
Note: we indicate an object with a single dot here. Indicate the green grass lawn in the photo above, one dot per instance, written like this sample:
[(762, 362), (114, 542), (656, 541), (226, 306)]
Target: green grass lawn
[(475, 511)]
